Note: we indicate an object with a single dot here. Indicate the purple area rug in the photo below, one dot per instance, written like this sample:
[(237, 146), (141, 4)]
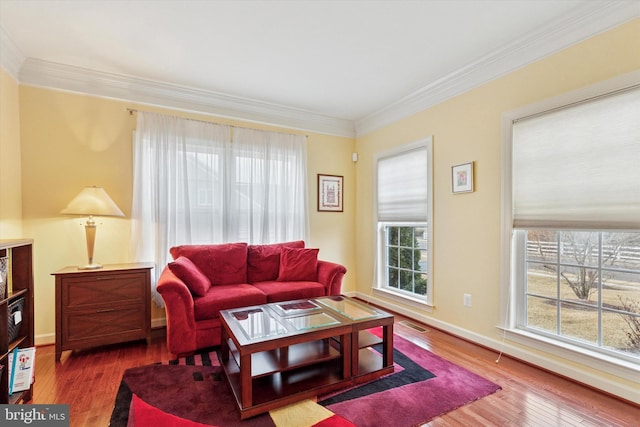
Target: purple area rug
[(194, 390), (425, 387)]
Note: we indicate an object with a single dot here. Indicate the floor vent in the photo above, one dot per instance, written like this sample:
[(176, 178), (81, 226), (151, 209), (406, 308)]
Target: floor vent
[(414, 326)]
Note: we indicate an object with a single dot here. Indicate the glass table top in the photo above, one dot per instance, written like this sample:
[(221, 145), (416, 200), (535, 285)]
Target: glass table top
[(258, 323), (347, 307), (311, 321), (263, 322), (276, 320)]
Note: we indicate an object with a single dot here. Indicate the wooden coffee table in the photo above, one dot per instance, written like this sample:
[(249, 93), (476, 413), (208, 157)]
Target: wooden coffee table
[(280, 353)]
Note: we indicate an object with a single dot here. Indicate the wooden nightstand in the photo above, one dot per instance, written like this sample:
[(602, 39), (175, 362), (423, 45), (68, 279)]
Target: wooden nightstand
[(105, 306)]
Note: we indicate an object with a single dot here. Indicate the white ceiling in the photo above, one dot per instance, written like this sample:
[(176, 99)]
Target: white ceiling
[(343, 67)]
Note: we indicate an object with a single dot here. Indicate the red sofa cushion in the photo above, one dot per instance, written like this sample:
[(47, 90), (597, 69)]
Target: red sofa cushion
[(263, 261), (224, 297), (287, 291), (223, 264), (191, 275), (298, 265)]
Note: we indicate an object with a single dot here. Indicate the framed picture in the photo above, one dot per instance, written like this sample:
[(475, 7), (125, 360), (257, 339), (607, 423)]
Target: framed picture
[(330, 193), (462, 178)]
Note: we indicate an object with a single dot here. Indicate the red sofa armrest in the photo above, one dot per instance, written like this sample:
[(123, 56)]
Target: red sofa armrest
[(330, 275), (179, 308)]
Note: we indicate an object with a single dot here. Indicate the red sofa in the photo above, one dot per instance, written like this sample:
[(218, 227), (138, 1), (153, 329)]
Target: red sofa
[(204, 279)]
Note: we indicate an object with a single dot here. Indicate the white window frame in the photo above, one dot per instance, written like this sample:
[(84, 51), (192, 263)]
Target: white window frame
[(512, 258), (385, 247), (380, 283)]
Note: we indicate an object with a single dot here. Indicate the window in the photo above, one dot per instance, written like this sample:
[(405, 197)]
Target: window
[(204, 183), (403, 207), (573, 213), (583, 287), (406, 248)]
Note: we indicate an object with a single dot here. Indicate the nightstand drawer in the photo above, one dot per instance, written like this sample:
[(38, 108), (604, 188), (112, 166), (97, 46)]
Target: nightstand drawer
[(103, 289), (100, 325)]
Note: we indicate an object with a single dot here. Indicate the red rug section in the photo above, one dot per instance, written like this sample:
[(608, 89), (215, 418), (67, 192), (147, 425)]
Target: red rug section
[(145, 415), (334, 421), (198, 394)]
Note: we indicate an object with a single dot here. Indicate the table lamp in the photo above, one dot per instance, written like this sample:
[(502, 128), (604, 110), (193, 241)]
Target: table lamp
[(92, 201)]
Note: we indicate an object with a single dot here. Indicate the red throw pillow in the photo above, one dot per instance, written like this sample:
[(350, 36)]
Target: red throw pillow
[(222, 264), (191, 275), (298, 265), (263, 261)]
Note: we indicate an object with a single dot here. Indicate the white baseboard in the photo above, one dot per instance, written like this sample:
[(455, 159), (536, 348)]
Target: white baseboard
[(50, 339), (159, 322), (44, 339)]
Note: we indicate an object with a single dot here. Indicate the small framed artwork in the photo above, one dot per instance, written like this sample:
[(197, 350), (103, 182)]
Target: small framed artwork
[(330, 193), (462, 178)]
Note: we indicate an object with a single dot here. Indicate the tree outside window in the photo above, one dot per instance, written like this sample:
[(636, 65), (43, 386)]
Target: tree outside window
[(585, 286), (407, 258)]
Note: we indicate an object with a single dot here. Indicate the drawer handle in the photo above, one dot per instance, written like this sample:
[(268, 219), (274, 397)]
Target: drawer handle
[(106, 310), (102, 278)]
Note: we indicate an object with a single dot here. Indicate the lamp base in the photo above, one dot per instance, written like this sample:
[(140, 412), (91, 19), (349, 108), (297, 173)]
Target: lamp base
[(90, 267)]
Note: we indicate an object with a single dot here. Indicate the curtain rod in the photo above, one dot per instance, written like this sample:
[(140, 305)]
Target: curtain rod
[(133, 110)]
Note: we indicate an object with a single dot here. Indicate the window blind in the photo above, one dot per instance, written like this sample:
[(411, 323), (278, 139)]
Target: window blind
[(402, 186), (579, 167)]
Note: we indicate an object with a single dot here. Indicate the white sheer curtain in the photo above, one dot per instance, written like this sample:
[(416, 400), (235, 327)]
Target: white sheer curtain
[(268, 183), (193, 185)]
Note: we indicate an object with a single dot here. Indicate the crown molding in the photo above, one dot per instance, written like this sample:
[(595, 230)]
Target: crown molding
[(52, 75), (587, 21), (11, 57)]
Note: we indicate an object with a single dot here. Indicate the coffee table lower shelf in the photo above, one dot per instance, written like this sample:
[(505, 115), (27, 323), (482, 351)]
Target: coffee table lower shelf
[(274, 386), (277, 389)]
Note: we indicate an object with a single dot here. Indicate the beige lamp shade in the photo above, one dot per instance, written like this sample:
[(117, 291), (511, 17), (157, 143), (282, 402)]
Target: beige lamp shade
[(92, 201)]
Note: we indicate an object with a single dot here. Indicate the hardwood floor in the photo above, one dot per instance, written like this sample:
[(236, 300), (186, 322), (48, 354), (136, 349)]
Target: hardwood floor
[(88, 381)]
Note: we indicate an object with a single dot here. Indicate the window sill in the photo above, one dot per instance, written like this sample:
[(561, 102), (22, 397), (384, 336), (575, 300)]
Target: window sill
[(404, 299), (593, 359)]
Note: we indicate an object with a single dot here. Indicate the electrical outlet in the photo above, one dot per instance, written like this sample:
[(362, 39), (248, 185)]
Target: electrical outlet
[(466, 300)]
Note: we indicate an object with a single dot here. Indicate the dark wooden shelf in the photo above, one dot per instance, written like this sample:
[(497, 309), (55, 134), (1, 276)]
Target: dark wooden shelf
[(295, 356), (278, 389), (370, 366), (367, 339), (12, 296), (17, 342), (19, 285)]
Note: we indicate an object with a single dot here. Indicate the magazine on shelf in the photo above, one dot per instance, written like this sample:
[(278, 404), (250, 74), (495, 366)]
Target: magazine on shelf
[(21, 366)]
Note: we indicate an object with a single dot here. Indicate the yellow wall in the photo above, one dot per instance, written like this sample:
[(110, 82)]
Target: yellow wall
[(10, 174), (70, 141), (466, 227)]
